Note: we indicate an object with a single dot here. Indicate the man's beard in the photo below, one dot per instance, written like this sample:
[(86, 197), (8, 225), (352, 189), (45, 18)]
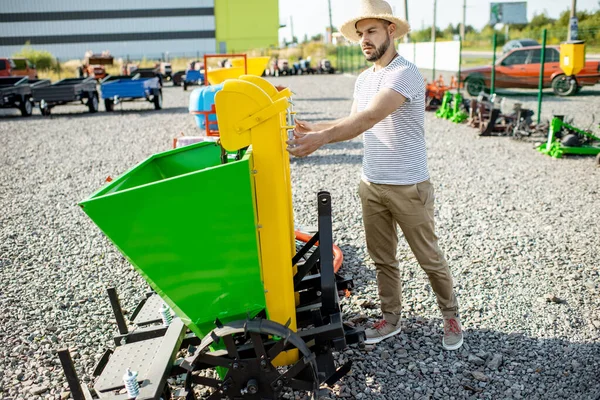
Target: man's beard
[(379, 51)]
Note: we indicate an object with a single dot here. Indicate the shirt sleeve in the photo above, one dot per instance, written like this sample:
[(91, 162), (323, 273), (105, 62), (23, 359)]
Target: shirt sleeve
[(406, 81)]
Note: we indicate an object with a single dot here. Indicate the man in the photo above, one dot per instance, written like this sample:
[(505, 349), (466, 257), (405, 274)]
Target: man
[(389, 109)]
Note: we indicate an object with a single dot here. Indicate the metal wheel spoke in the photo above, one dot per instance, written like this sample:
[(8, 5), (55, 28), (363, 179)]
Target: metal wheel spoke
[(204, 381), (259, 346), (230, 345), (297, 384), (295, 369), (214, 359), (276, 349)]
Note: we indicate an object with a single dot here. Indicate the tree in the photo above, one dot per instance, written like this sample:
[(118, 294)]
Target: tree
[(540, 20)]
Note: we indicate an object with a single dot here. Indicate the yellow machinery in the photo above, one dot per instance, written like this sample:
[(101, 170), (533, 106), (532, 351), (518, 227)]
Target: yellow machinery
[(572, 57)]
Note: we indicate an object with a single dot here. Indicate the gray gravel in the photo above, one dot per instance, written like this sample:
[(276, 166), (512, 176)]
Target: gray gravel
[(519, 229)]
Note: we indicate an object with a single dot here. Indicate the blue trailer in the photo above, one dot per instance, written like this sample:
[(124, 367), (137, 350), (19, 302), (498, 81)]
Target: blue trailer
[(116, 89), (192, 77)]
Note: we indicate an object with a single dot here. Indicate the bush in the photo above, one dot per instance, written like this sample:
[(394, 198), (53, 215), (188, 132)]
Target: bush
[(42, 59)]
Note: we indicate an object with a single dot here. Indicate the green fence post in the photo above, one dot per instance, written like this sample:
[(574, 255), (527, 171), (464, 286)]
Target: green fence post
[(493, 84), (541, 84), (459, 64)]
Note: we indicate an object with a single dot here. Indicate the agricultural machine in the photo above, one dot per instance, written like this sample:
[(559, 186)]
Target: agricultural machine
[(452, 108), (435, 91), (239, 308), (564, 138)]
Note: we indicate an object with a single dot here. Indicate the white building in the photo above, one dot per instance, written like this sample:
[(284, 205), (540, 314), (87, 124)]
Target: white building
[(134, 28)]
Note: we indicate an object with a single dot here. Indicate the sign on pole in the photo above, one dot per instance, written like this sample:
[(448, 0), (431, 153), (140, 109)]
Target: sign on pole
[(508, 13)]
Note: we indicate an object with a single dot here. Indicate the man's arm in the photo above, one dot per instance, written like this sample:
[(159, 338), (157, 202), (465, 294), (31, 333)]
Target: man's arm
[(384, 103), (304, 127)]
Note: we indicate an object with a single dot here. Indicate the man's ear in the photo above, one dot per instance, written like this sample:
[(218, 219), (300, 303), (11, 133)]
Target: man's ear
[(392, 29)]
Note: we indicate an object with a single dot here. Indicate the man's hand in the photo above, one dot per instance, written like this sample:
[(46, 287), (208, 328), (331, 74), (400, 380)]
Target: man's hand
[(303, 127), (304, 144)]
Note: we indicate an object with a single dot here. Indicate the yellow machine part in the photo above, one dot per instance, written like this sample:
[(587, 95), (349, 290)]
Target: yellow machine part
[(248, 116), (572, 57)]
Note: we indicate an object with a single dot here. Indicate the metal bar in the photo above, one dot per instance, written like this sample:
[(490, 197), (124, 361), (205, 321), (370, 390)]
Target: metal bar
[(117, 310), (71, 375), (142, 334), (493, 83), (306, 267), (328, 287), (313, 240), (541, 84)]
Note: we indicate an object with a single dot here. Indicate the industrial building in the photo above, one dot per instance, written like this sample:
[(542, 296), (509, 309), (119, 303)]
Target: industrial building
[(138, 28)]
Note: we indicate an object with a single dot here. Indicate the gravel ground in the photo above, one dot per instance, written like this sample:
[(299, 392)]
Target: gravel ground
[(518, 228)]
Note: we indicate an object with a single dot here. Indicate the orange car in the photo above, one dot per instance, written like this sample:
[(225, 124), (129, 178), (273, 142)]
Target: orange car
[(520, 68)]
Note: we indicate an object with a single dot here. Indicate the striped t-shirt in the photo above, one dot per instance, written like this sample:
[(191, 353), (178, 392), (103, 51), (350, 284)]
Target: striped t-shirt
[(394, 151)]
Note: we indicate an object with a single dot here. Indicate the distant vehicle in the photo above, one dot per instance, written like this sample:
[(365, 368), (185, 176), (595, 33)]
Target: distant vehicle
[(283, 66), (325, 67), (71, 90), (24, 67), (119, 89), (518, 44), (94, 65), (165, 69), (16, 92), (520, 68), (6, 66), (177, 77)]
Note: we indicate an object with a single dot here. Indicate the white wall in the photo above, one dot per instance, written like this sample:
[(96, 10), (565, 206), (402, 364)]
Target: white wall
[(447, 55)]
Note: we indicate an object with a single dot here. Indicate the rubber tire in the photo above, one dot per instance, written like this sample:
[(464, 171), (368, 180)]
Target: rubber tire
[(26, 108), (93, 104), (46, 111), (157, 99), (109, 105), (185, 86), (474, 86), (557, 81), (570, 141)]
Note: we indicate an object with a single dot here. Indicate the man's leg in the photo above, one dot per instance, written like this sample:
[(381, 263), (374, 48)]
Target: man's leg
[(382, 242), (412, 206)]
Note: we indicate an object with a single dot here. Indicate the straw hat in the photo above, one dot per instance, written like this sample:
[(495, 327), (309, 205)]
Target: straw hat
[(378, 9)]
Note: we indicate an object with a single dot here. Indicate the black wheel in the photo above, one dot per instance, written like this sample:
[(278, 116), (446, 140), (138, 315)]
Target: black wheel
[(185, 85), (563, 85), (474, 86), (157, 99), (46, 111), (93, 102), (571, 141), (109, 105), (248, 350), (26, 107)]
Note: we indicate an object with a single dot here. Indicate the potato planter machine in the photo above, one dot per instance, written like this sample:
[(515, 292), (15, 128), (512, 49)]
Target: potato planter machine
[(240, 309)]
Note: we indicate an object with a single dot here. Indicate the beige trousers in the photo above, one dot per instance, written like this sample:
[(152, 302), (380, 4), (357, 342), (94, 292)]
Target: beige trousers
[(385, 207)]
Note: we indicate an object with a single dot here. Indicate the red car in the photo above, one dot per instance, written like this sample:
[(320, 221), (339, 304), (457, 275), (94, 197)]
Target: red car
[(520, 68)]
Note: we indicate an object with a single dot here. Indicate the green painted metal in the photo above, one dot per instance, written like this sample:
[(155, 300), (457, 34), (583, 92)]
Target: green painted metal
[(493, 83), (458, 115), (445, 110), (554, 148), (541, 82), (187, 223)]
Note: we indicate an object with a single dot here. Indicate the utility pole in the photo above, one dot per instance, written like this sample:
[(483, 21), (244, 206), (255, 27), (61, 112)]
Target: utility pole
[(292, 27), (573, 34), (407, 36), (330, 23), (434, 16), (463, 26)]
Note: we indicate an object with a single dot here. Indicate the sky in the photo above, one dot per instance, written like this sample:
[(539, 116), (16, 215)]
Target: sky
[(312, 16)]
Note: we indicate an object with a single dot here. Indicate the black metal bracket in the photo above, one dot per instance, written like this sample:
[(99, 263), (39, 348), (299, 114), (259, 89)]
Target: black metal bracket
[(78, 392)]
